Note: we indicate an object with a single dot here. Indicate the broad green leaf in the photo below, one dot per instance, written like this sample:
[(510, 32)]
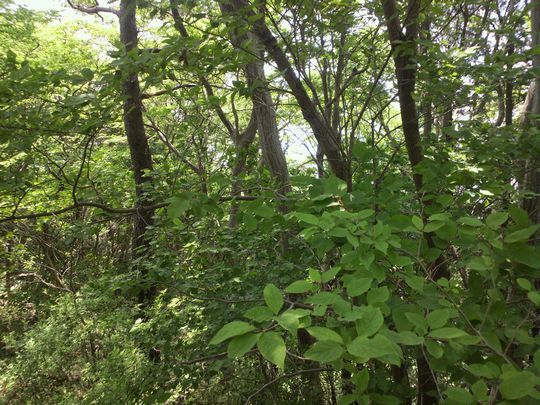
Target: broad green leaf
[(525, 284), (534, 297), (361, 380), (370, 322), (470, 221), (330, 274), (415, 282), (378, 295), (459, 395), (447, 333), (480, 390), (177, 206), (522, 235), (289, 321), (406, 338), (273, 298), (433, 226), (259, 314), (299, 287), (487, 370), (264, 211), (379, 347), (365, 213), (438, 318), (417, 320), (240, 345), (358, 286), (496, 219), (325, 351), (323, 333), (434, 348), (308, 218), (348, 399), (272, 348), (324, 298), (234, 328), (517, 384), (417, 222)]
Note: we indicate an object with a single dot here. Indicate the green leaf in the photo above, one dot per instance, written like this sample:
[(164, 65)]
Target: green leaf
[(325, 351), (364, 213), (417, 320), (433, 226), (299, 287), (378, 347), (272, 348), (264, 211), (308, 218), (470, 221), (240, 345), (486, 370), (534, 297), (378, 295), (234, 328), (459, 395), (358, 286), (517, 384), (177, 206), (259, 314), (525, 284), (417, 222), (434, 348), (448, 333), (496, 219), (330, 274), (409, 338), (415, 282), (361, 380), (371, 321), (289, 321), (273, 298), (480, 390), (438, 318), (347, 399), (522, 235), (323, 333)]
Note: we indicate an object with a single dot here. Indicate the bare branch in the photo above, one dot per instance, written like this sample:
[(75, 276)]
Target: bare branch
[(281, 377), (94, 10)]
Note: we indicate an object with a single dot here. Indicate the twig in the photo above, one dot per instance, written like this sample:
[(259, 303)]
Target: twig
[(275, 380), (94, 9), (209, 358)]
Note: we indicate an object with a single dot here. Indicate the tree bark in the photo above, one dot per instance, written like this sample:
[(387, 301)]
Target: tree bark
[(141, 157), (322, 130), (403, 43), (531, 118), (264, 109)]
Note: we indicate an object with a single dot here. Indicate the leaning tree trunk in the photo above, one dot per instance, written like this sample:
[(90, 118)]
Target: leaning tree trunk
[(141, 157), (322, 130)]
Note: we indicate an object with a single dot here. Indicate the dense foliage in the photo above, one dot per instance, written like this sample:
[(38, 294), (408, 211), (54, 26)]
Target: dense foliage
[(232, 201)]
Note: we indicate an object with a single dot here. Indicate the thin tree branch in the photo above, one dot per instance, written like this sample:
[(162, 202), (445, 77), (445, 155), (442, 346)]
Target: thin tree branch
[(95, 9), (281, 377)]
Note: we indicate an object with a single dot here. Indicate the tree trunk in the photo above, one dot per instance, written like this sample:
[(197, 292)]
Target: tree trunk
[(141, 158), (531, 118), (404, 49), (326, 137)]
